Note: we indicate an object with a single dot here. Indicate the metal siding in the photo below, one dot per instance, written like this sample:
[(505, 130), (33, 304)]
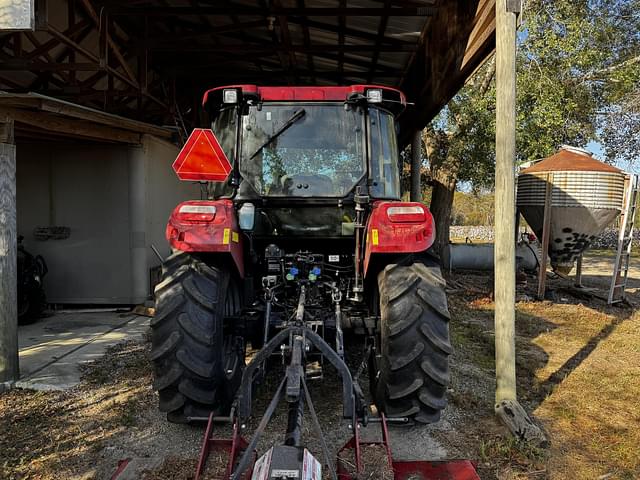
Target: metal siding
[(573, 189)]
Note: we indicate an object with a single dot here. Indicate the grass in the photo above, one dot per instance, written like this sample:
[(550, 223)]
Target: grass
[(578, 367), (513, 455), (593, 414)]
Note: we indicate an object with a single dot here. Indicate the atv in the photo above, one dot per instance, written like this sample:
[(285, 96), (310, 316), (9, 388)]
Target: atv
[(32, 301), (301, 236)]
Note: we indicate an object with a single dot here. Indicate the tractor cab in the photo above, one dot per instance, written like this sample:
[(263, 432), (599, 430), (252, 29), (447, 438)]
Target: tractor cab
[(312, 147)]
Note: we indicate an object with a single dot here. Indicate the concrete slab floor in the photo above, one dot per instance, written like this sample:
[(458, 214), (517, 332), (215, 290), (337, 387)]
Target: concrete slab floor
[(52, 349)]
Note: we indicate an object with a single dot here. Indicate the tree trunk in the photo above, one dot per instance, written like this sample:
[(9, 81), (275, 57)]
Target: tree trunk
[(444, 178), (444, 187)]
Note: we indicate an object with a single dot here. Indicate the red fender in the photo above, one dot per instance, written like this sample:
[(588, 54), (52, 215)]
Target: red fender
[(205, 226), (398, 227)]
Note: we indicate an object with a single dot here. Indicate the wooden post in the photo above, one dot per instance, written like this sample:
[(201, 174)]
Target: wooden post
[(546, 227), (578, 282), (8, 256), (507, 407), (416, 163)]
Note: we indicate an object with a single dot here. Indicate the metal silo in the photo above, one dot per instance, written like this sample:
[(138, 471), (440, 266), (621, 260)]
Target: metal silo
[(585, 195)]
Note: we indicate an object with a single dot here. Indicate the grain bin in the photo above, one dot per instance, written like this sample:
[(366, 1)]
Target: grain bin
[(586, 196)]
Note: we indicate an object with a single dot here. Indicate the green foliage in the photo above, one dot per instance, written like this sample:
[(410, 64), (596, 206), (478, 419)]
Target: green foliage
[(472, 208), (578, 66), (578, 80), (464, 131)]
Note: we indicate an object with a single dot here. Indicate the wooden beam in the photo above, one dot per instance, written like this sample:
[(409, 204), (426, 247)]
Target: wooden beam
[(382, 27), (115, 48), (9, 369), (70, 32), (78, 128), (92, 115), (94, 58), (307, 42), (459, 38), (262, 49), (37, 66), (206, 35), (341, 28), (506, 404), (285, 33), (153, 11), (342, 25), (484, 26), (505, 206)]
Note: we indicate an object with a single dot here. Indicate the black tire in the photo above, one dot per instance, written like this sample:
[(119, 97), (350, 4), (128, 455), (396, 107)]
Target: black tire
[(32, 306), (197, 367), (415, 346)]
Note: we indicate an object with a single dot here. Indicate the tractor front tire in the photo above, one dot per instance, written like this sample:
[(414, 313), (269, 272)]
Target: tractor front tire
[(415, 346), (197, 365)]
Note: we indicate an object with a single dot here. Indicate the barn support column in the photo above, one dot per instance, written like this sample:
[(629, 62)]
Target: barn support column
[(506, 403), (9, 370), (138, 223), (416, 163)]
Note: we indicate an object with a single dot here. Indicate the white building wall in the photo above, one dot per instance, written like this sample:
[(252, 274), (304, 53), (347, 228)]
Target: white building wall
[(102, 193)]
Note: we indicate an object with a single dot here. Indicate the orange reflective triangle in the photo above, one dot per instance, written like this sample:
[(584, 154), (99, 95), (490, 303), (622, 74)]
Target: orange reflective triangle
[(202, 158)]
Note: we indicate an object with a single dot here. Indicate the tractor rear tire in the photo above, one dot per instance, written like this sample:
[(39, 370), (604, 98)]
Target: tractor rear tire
[(415, 345), (197, 367)]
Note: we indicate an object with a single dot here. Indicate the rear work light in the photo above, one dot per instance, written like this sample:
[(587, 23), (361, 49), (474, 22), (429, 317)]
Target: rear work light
[(230, 95), (406, 214), (374, 95), (197, 213)]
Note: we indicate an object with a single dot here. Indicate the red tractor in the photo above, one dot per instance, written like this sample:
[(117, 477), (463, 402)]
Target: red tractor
[(302, 236)]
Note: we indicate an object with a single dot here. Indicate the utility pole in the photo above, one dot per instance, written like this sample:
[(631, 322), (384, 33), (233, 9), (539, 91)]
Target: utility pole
[(506, 402), (8, 257)]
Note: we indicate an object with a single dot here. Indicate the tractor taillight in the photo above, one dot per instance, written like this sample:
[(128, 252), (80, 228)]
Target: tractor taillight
[(196, 213), (406, 214)]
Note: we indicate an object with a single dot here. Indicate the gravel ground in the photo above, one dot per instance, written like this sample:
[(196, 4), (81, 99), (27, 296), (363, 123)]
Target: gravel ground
[(83, 433)]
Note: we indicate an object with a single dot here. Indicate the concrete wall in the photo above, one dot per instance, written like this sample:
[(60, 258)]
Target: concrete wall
[(115, 199)]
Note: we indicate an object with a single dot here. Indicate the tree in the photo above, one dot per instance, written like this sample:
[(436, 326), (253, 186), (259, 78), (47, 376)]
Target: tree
[(578, 80), (579, 65), (460, 147)]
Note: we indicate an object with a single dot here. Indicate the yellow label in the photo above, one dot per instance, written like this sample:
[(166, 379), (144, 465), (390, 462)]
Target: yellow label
[(225, 236), (374, 236), (235, 237)]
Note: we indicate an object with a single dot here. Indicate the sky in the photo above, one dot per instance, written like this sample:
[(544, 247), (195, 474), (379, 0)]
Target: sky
[(596, 149)]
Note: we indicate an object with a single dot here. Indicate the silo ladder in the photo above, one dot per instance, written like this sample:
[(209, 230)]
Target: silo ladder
[(625, 241)]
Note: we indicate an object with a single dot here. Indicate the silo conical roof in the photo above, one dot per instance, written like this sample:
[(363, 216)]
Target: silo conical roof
[(571, 159)]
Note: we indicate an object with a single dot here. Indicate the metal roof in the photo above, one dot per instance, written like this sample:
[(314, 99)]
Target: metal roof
[(573, 160), (152, 59)]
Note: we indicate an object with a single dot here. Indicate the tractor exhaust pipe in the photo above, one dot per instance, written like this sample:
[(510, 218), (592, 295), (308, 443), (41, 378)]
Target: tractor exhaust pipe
[(361, 200)]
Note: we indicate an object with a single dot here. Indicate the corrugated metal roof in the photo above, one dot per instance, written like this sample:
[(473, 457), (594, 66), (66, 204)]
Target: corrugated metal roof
[(570, 159), (186, 47)]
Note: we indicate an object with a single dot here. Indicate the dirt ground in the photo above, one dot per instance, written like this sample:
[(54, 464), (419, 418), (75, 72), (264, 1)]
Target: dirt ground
[(578, 370)]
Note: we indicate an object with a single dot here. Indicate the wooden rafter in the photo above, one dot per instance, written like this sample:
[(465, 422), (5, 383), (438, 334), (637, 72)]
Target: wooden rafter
[(342, 25), (154, 11), (150, 58), (381, 29)]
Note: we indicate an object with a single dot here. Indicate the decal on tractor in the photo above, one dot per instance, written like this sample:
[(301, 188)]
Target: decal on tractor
[(202, 158)]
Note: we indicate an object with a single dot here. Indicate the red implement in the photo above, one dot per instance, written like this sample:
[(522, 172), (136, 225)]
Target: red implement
[(405, 470), (233, 447)]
